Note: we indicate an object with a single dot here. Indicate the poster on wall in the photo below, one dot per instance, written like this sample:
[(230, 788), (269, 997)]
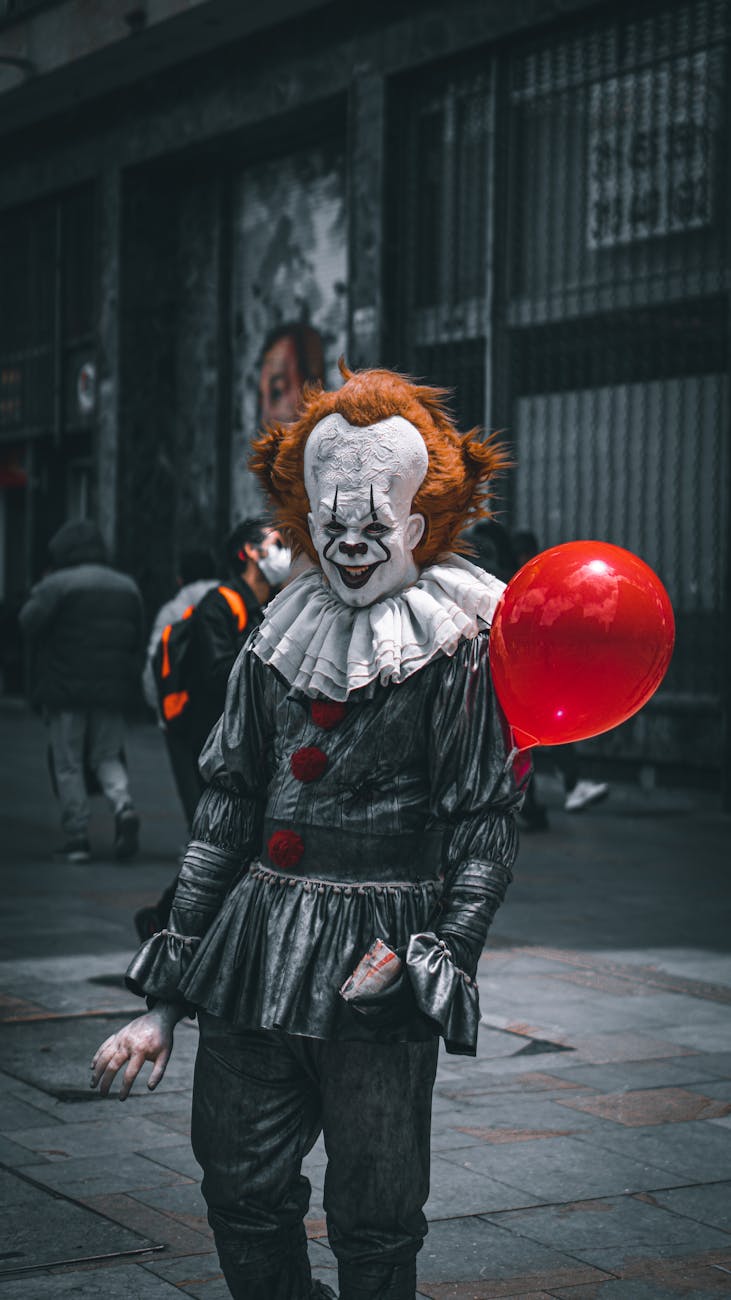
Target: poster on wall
[(290, 295), (651, 151)]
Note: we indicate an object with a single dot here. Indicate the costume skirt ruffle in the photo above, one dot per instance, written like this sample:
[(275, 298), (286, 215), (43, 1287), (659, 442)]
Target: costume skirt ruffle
[(282, 946)]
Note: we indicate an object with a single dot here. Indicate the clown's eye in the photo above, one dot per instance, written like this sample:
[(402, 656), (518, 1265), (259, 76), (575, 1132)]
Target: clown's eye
[(376, 530), (334, 529)]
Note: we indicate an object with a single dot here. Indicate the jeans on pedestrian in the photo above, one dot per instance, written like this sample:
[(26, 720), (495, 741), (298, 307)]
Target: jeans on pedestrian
[(98, 735), (260, 1100)]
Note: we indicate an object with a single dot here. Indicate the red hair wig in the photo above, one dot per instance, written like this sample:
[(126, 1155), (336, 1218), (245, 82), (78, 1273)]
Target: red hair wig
[(454, 493)]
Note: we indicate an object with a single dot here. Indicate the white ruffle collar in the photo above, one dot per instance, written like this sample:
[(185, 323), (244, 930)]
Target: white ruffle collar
[(325, 648)]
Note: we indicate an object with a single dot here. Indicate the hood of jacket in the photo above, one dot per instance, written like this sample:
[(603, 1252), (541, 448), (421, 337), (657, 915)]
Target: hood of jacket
[(77, 542)]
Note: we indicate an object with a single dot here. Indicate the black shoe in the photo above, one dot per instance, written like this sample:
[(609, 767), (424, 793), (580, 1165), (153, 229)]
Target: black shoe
[(126, 833), (147, 923), (75, 850)]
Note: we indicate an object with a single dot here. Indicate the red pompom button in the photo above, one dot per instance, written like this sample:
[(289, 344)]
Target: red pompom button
[(285, 848), (327, 713), (308, 764)]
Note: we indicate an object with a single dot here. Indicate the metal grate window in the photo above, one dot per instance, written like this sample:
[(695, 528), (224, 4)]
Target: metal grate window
[(615, 310), (593, 180), (438, 237), (47, 285)]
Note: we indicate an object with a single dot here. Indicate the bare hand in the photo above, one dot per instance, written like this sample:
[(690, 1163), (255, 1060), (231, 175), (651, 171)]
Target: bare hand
[(149, 1038)]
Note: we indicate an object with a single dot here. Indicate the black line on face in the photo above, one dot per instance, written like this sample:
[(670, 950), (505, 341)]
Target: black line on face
[(333, 518), (374, 515)]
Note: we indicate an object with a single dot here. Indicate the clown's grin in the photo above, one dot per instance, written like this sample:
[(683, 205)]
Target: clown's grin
[(356, 575)]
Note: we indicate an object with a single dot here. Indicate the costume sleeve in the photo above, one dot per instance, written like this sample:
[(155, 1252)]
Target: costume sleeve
[(226, 831), (475, 797)]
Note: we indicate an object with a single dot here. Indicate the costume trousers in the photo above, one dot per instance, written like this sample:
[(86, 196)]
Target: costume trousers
[(101, 734), (260, 1100)]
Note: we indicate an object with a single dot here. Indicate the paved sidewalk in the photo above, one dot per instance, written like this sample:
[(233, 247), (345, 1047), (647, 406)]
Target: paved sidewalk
[(585, 1152)]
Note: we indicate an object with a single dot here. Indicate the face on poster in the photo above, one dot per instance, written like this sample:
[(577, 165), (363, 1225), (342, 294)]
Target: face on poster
[(290, 302)]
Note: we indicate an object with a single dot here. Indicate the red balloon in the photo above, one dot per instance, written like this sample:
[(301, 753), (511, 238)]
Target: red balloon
[(581, 639)]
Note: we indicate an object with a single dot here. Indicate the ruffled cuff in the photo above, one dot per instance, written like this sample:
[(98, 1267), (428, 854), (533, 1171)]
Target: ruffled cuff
[(444, 992), (159, 966)]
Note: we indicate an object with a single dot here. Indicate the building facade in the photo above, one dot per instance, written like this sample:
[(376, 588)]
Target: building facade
[(526, 203)]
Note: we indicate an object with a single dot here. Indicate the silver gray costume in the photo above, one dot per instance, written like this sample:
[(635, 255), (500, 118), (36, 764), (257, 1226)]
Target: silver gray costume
[(323, 828)]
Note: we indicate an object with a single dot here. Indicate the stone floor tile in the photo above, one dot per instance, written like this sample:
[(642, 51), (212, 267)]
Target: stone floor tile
[(496, 1262), (13, 1154), (180, 1200), (90, 1176), (697, 1152), (179, 1238), (186, 1270), (456, 1190), (709, 1203), (698, 1037), (660, 1287), (686, 1071), (718, 1088), (668, 1259), (564, 1169), (16, 1114), (41, 1228), (600, 1049), (716, 1062), (622, 1224), (476, 1291), (178, 1158), (650, 1106), (123, 1135), (118, 1282), (525, 1111)]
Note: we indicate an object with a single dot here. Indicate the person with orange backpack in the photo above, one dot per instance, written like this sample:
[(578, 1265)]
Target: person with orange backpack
[(196, 576), (257, 564), (193, 658)]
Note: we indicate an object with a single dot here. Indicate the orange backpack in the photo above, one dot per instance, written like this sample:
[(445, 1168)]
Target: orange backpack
[(173, 667)]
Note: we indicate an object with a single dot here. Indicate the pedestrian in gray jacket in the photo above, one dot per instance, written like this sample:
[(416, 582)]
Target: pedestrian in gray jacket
[(84, 624)]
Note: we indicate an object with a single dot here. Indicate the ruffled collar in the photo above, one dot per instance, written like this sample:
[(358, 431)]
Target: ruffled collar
[(325, 648)]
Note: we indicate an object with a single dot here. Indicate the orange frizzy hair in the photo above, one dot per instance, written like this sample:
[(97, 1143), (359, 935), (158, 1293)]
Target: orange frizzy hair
[(454, 493)]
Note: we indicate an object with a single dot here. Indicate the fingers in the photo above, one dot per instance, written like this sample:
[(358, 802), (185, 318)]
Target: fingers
[(101, 1050), (107, 1078), (135, 1065), (159, 1068)]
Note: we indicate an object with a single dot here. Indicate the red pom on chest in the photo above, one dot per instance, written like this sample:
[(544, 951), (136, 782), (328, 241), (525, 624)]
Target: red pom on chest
[(327, 713), (285, 848), (308, 764)]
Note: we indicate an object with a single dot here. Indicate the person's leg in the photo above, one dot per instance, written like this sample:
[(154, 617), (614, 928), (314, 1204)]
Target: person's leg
[(106, 745), (66, 729), (255, 1115), (580, 792), (376, 1110)]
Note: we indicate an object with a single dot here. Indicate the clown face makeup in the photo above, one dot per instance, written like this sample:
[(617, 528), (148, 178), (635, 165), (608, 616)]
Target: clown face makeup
[(361, 483)]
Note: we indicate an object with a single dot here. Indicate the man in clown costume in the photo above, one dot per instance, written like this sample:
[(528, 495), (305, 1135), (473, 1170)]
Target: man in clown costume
[(360, 788)]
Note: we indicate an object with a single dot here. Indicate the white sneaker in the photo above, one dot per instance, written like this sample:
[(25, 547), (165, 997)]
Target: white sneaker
[(585, 793)]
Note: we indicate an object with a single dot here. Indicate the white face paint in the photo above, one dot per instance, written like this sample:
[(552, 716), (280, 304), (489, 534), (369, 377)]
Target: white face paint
[(361, 483)]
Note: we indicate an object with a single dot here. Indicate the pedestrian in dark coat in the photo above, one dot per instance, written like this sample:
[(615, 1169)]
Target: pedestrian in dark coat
[(84, 624)]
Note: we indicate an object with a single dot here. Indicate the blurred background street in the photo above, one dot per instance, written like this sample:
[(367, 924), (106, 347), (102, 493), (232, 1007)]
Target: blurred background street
[(585, 1152)]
